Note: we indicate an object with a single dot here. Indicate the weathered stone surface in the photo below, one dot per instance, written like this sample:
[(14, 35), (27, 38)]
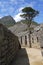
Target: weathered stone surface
[(9, 45), (20, 30), (37, 36)]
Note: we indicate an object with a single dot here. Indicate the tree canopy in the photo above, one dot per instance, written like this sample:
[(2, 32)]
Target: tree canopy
[(29, 13)]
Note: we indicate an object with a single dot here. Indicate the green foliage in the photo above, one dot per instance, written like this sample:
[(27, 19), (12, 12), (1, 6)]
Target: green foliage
[(27, 22), (28, 9), (29, 13)]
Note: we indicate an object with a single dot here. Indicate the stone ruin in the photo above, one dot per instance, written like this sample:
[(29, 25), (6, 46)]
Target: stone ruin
[(21, 31), (9, 45)]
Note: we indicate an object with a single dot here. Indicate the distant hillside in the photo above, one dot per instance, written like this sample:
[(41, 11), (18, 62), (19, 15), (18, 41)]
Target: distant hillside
[(7, 21), (33, 24), (21, 26), (26, 22)]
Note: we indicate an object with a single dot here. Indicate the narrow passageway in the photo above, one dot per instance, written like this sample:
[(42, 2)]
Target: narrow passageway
[(22, 58), (28, 56)]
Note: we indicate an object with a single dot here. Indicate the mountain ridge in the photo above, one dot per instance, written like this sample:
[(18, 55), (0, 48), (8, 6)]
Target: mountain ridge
[(7, 21)]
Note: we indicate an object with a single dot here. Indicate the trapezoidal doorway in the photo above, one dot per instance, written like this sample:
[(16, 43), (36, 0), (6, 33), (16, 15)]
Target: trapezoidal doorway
[(25, 40)]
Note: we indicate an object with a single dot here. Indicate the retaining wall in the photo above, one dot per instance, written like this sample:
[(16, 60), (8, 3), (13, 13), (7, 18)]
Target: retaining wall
[(9, 45)]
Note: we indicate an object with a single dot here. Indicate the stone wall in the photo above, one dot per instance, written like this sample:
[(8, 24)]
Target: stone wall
[(9, 45), (24, 40), (35, 38), (35, 41), (41, 37)]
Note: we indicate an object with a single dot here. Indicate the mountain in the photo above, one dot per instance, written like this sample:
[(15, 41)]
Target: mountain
[(21, 26), (26, 22), (7, 21), (33, 23)]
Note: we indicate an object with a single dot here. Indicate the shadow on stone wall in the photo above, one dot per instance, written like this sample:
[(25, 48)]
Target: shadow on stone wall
[(42, 51), (21, 58), (9, 45)]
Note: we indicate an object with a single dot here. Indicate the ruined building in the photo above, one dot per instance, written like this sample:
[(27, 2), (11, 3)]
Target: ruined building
[(37, 37), (21, 31), (9, 46)]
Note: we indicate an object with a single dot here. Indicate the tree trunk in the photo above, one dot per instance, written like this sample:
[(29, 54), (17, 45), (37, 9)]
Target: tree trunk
[(30, 39), (29, 34)]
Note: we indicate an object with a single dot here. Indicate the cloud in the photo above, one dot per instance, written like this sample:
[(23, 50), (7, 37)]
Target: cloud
[(31, 4), (17, 17), (20, 9), (9, 7), (1, 16)]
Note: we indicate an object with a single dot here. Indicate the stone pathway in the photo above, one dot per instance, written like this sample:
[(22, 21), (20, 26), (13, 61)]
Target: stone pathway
[(29, 56), (35, 56)]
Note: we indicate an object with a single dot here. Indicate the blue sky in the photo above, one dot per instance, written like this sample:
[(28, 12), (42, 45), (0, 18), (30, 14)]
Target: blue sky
[(14, 7)]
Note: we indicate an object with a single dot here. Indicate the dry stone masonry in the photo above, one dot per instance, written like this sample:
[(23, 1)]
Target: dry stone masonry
[(21, 31), (9, 45)]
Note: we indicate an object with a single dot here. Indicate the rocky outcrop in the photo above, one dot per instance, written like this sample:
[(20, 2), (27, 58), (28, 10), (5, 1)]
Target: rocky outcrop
[(18, 28), (9, 45), (7, 21)]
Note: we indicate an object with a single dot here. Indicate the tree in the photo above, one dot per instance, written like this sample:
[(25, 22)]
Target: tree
[(29, 13)]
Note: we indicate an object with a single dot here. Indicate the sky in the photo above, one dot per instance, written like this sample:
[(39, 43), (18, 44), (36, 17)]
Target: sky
[(14, 8)]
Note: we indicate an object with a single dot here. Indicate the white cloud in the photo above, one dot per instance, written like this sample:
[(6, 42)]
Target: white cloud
[(0, 16), (5, 6), (20, 9), (31, 4), (17, 17)]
